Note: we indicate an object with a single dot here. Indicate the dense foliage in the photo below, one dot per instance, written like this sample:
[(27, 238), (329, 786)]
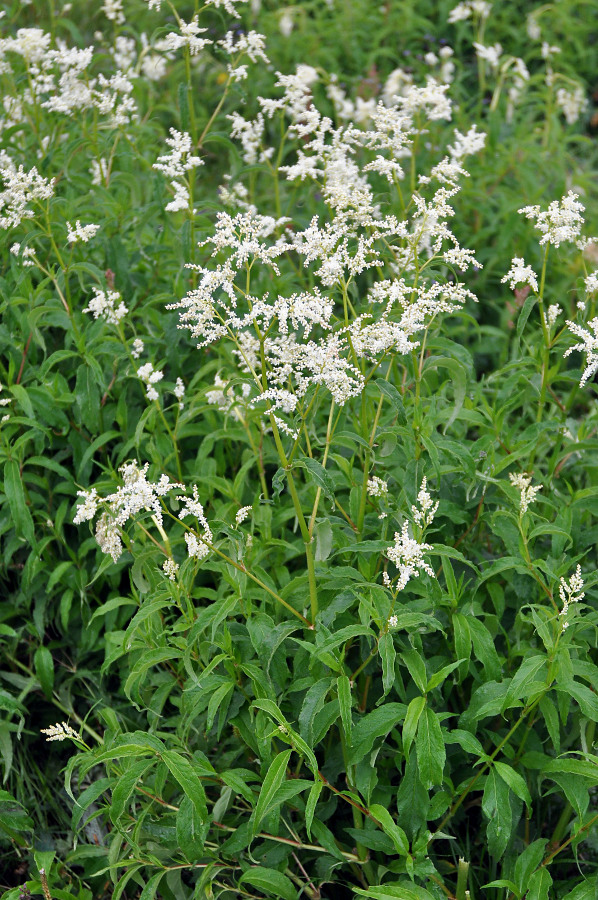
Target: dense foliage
[(300, 508)]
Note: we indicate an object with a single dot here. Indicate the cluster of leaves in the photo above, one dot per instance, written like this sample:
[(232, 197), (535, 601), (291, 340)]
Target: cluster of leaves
[(234, 739)]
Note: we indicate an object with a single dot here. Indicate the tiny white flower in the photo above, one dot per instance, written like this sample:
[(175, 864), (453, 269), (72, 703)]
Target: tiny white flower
[(519, 273), (170, 569), (553, 312), (377, 487), (242, 514), (60, 732), (81, 232), (528, 493)]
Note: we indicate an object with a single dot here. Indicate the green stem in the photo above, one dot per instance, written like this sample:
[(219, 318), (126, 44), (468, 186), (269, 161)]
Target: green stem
[(303, 527)]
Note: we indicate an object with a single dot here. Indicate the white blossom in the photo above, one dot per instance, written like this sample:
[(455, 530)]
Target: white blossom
[(519, 273), (242, 514), (528, 493), (562, 220), (424, 512), (553, 312), (113, 9), (407, 555), (570, 592), (62, 731), (188, 36), (170, 569), (588, 344), (150, 377), (18, 188), (105, 305), (135, 494), (377, 487), (490, 54), (81, 232), (572, 103), (591, 282), (87, 510)]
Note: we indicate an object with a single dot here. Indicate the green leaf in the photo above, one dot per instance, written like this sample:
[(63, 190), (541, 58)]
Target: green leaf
[(150, 889), (391, 393), (373, 725), (44, 669), (530, 302), (394, 831), (270, 882), (345, 702), (515, 781), (527, 862), (20, 515), (414, 711), (587, 890), (496, 805), (125, 785), (274, 778), (220, 695), (322, 534), (182, 770), (310, 806), (551, 719), (431, 752), (417, 668), (87, 397), (539, 884), (386, 649), (395, 891), (318, 474), (440, 676), (587, 699)]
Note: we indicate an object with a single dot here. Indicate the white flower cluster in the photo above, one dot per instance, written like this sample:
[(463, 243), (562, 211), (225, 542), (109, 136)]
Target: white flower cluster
[(27, 254), (570, 592), (175, 164), (4, 401), (476, 8), (528, 493), (305, 339), (588, 344), (490, 54), (60, 732), (552, 313), (424, 513), (197, 546), (170, 568), (81, 232), (188, 36), (135, 495), (18, 188), (572, 103), (519, 273), (150, 377), (408, 556), (250, 44), (407, 553), (562, 220), (242, 514), (377, 487), (105, 305)]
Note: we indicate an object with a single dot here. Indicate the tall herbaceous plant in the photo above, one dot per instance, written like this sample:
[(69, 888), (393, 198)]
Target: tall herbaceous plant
[(299, 349)]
